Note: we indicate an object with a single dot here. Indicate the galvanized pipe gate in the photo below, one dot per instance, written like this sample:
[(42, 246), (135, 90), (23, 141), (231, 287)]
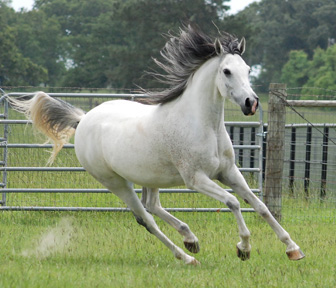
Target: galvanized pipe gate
[(5, 168)]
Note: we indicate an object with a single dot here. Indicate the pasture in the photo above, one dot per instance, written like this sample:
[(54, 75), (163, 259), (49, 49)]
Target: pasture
[(61, 249), (88, 249)]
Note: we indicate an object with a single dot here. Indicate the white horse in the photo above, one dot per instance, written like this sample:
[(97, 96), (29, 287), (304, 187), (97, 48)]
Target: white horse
[(179, 139)]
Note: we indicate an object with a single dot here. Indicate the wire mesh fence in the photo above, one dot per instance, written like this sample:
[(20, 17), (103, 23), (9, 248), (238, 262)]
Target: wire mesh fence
[(309, 175)]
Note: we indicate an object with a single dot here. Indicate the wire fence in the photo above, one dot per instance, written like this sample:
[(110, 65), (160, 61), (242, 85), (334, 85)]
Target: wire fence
[(309, 190)]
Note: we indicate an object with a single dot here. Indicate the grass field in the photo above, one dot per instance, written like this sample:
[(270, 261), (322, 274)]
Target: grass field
[(87, 249), (58, 249)]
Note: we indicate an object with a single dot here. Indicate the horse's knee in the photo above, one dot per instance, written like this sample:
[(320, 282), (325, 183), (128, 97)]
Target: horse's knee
[(233, 204)]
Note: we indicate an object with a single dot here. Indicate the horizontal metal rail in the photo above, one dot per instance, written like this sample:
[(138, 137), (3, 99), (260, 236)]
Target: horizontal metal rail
[(46, 169), (68, 190), (84, 95), (229, 123), (243, 124), (19, 145), (304, 125), (114, 209), (8, 121), (81, 169)]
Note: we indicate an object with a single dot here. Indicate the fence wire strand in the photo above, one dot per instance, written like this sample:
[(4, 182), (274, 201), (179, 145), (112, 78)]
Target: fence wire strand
[(281, 96)]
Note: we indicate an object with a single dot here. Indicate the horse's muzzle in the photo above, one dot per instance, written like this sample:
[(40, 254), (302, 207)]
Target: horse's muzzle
[(251, 106)]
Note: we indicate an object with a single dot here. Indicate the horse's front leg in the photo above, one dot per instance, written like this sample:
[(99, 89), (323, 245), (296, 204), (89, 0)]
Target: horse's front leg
[(236, 181), (203, 184)]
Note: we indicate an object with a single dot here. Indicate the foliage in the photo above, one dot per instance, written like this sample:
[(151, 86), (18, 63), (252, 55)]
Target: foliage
[(39, 39), (15, 68), (299, 71), (92, 43), (295, 71), (322, 69), (109, 43), (276, 27)]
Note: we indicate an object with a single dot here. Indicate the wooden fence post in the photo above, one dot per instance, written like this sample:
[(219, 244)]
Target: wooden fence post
[(275, 148)]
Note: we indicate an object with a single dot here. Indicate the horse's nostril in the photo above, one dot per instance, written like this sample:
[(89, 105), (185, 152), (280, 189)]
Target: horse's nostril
[(255, 106), (247, 102)]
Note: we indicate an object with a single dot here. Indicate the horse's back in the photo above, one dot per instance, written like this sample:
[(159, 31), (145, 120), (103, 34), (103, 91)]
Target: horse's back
[(108, 122), (119, 110)]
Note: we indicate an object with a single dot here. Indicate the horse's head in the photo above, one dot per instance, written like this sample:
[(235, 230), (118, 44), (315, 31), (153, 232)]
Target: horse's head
[(233, 79)]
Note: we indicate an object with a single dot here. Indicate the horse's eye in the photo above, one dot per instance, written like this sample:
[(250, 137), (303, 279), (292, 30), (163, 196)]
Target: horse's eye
[(227, 72)]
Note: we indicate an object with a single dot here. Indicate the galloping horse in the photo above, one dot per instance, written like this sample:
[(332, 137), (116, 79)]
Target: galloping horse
[(180, 138)]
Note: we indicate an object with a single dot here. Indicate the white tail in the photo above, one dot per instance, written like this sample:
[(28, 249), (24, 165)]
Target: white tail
[(55, 118)]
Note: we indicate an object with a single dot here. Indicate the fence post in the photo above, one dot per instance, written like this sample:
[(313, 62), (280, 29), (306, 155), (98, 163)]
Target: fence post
[(275, 148)]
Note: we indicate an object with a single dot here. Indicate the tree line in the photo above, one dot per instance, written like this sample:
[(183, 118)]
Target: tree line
[(110, 43)]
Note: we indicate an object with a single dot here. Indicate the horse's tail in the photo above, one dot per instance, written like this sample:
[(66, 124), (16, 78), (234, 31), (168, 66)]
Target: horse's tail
[(53, 117)]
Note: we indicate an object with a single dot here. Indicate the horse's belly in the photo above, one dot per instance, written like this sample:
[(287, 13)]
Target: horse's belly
[(151, 178)]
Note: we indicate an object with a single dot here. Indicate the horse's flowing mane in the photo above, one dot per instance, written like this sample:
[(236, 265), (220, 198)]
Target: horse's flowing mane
[(182, 56)]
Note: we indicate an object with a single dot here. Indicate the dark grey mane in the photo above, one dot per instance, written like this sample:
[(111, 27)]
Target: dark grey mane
[(182, 56)]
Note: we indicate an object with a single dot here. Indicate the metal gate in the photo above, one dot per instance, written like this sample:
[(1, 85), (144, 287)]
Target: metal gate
[(11, 147)]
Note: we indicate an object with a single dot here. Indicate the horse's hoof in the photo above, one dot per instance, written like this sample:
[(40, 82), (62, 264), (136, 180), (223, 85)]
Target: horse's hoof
[(193, 247), (295, 255), (243, 255), (194, 262)]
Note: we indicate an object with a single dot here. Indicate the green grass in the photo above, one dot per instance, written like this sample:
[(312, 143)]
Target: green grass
[(112, 250), (88, 249)]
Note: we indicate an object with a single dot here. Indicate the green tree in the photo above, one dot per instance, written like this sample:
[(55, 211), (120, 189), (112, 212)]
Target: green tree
[(315, 76), (295, 72), (39, 38), (322, 71), (276, 27), (110, 43), (15, 69)]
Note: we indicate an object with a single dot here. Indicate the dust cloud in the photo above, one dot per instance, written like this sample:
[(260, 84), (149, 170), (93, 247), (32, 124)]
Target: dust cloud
[(53, 240)]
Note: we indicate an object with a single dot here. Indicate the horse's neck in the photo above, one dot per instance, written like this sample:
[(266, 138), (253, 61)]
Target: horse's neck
[(202, 98)]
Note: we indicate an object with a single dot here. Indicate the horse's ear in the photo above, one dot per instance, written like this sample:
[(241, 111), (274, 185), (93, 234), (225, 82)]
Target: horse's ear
[(218, 47), (241, 46)]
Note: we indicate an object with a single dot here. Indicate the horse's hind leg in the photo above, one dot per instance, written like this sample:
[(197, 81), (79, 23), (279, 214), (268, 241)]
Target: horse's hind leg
[(151, 201), (125, 192), (237, 182)]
